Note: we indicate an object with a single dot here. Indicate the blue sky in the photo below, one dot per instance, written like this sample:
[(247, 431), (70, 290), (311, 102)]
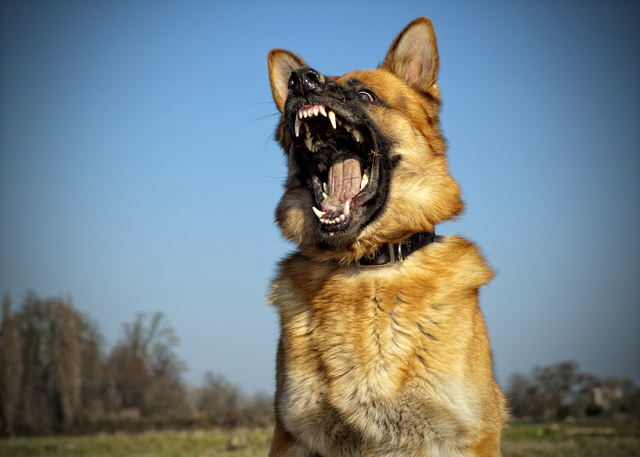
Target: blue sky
[(138, 171)]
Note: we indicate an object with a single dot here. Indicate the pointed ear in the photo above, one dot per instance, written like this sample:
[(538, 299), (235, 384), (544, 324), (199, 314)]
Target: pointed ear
[(413, 55), (281, 64)]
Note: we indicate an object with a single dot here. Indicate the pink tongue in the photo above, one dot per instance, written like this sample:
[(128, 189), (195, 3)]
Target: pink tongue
[(344, 181)]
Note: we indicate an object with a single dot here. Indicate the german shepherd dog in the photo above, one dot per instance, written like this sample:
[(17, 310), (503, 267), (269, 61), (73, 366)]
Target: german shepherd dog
[(383, 348)]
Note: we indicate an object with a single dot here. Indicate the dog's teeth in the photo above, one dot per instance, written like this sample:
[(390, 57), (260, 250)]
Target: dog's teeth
[(342, 218), (318, 212), (324, 113), (365, 181), (339, 122), (309, 144), (347, 127), (305, 114), (332, 118), (297, 127), (315, 110), (324, 186), (346, 208), (300, 114), (324, 195), (357, 135)]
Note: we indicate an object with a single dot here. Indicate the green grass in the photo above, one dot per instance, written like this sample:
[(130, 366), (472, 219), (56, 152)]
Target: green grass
[(521, 440), (566, 440), (165, 444)]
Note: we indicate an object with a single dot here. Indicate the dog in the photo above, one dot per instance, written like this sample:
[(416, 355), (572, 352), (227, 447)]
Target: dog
[(383, 349)]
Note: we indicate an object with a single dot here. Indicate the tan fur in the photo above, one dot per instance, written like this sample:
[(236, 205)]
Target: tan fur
[(393, 360)]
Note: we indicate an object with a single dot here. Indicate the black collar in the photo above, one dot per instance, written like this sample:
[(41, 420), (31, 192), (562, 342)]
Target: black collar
[(390, 253)]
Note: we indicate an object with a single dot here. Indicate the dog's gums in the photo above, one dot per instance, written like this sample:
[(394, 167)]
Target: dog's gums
[(343, 165)]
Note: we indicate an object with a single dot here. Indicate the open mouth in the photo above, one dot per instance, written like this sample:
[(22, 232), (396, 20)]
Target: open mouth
[(342, 162)]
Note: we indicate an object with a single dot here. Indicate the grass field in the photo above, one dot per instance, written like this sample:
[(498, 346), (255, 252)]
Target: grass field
[(527, 440), (521, 440)]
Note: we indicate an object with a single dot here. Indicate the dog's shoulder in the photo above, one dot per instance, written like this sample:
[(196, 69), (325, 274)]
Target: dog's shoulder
[(458, 259), (450, 264)]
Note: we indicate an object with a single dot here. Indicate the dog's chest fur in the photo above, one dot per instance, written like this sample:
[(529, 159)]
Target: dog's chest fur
[(372, 367)]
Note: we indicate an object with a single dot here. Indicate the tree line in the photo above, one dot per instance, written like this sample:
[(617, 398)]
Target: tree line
[(562, 392), (55, 377)]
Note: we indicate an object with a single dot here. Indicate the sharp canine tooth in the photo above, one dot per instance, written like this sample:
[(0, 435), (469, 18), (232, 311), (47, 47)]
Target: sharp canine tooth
[(325, 196), (309, 144), (332, 118), (324, 113), (324, 186), (318, 212), (346, 207), (365, 181), (357, 135), (297, 127)]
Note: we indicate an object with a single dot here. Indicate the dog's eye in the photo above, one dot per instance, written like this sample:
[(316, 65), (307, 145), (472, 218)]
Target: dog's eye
[(364, 96)]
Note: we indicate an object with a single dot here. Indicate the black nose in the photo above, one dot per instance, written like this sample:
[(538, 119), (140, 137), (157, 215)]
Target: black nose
[(305, 80)]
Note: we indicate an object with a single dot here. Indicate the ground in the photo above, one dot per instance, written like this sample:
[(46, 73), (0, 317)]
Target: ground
[(521, 440)]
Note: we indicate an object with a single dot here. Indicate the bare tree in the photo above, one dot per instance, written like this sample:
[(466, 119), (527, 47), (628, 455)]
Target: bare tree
[(561, 390), (37, 402), (52, 353), (560, 386), (166, 401), (92, 370), (153, 343), (10, 367), (67, 361), (220, 401), (129, 378)]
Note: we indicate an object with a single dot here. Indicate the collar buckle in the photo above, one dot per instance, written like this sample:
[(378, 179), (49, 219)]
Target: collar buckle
[(386, 255), (391, 253)]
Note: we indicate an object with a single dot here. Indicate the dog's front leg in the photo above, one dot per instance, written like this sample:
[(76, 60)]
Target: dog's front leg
[(285, 445)]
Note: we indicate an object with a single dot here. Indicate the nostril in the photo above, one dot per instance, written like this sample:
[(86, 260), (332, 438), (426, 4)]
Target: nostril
[(313, 77), (293, 80)]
